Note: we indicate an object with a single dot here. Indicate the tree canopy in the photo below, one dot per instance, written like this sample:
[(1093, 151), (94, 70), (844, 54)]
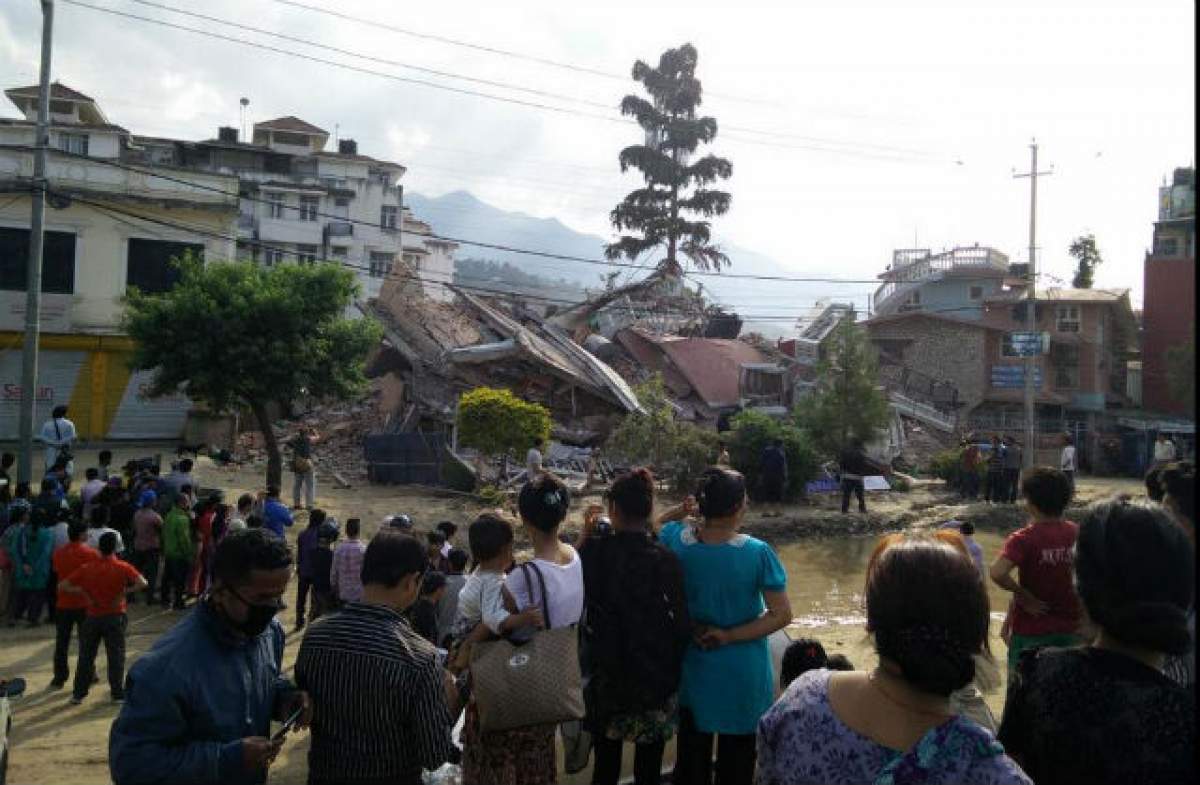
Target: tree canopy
[(235, 334), (674, 206), (675, 450), (847, 403), (1084, 249)]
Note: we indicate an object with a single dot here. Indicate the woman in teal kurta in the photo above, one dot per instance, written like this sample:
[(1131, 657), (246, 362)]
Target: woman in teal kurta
[(735, 590), (31, 568)]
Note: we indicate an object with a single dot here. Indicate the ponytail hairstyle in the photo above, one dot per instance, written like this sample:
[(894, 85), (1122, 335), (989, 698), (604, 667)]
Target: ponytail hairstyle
[(633, 494), (927, 608), (721, 492), (1134, 571), (543, 502)]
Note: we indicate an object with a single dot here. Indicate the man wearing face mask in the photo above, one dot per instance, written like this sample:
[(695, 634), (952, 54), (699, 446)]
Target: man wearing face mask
[(199, 705), (366, 669)]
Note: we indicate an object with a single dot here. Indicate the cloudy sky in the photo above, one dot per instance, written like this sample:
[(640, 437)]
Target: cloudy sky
[(854, 127)]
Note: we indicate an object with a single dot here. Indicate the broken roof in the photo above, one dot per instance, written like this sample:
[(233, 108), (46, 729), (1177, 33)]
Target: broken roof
[(712, 367)]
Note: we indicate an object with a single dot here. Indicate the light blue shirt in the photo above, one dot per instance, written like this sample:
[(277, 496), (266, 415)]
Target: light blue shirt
[(726, 689)]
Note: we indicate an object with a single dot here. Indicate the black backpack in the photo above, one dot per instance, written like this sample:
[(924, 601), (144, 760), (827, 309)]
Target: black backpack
[(635, 629)]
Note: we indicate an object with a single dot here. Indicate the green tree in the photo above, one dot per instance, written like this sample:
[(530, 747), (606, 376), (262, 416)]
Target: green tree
[(847, 403), (678, 451), (1084, 249), (233, 334), (753, 431), (1181, 374), (675, 187), (496, 422)]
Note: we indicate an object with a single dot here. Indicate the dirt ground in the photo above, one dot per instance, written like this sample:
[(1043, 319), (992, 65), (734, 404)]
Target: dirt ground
[(53, 742)]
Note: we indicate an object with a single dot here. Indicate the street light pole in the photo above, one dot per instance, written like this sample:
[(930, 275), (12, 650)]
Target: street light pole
[(1030, 361), (33, 273)]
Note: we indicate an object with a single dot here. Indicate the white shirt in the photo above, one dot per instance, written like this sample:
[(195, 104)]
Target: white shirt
[(94, 535), (564, 589), (533, 462), (61, 535), (56, 438), (1164, 451), (480, 600), (1068, 458)]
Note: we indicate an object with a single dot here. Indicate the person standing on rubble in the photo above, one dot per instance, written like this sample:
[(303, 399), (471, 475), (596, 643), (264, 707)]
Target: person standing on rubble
[(533, 460), (304, 472)]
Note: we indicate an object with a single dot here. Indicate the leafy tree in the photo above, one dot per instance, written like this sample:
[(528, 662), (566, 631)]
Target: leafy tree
[(847, 403), (1181, 374), (753, 431), (676, 450), (237, 334), (1084, 249), (675, 187), (496, 422)]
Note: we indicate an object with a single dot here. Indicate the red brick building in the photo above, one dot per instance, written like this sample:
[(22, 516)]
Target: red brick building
[(1169, 309)]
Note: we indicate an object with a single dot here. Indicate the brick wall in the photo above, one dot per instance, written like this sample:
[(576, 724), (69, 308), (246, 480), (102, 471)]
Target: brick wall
[(1169, 320)]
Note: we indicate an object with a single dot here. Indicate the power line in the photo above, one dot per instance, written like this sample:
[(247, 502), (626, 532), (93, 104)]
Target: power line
[(845, 149), (446, 238)]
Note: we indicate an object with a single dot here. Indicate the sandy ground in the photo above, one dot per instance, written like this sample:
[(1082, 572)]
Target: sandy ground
[(53, 742)]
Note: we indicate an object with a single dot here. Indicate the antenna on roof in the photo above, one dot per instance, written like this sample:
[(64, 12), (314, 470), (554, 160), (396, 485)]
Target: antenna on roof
[(244, 102)]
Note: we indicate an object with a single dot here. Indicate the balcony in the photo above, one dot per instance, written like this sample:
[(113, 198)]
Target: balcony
[(911, 267)]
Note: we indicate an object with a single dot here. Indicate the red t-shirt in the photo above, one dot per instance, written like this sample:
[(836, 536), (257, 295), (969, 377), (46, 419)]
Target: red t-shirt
[(67, 560), (106, 580), (1044, 553)]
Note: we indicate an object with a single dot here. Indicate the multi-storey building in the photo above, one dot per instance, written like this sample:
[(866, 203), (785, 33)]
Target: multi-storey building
[(1169, 309), (953, 282)]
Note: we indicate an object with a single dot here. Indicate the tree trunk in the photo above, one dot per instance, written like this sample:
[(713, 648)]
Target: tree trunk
[(274, 459)]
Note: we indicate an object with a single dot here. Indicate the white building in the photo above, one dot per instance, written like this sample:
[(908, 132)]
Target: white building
[(301, 202)]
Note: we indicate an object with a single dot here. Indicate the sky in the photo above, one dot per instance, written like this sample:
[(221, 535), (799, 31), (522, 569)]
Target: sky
[(854, 127)]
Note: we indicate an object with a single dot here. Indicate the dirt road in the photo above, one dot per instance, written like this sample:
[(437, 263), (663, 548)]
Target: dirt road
[(55, 743)]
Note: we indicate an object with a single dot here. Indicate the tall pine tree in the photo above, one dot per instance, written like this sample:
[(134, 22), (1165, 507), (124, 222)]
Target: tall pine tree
[(673, 207)]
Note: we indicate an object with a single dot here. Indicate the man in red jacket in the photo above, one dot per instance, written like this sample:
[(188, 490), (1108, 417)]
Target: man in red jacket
[(71, 608), (103, 583)]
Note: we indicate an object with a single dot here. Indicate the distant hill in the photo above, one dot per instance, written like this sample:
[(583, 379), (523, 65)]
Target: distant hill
[(767, 306)]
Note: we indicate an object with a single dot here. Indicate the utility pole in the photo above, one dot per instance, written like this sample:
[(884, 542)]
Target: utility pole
[(33, 272), (1031, 362)]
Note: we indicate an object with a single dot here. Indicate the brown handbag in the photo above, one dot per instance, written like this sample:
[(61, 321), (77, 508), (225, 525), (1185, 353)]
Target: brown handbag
[(530, 683)]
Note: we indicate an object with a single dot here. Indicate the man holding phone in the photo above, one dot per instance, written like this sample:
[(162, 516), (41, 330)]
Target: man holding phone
[(198, 707)]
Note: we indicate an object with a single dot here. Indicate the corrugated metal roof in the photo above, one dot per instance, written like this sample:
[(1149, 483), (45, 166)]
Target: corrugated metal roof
[(712, 366)]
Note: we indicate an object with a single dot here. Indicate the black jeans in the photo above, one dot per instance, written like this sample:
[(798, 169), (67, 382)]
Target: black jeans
[(995, 490), (51, 595), (855, 487), (111, 630), (176, 580), (147, 563), (65, 621), (29, 602), (647, 762), (736, 756), (302, 599), (1012, 484)]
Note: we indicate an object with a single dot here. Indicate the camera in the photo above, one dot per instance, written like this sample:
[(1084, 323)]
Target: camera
[(604, 526)]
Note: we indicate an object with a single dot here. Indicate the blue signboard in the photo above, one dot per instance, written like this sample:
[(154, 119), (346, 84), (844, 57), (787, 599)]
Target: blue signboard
[(1013, 377), (1030, 344)]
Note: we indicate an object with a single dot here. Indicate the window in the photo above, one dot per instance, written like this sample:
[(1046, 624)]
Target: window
[(150, 265), (1066, 367), (975, 293), (272, 256), (76, 144), (1166, 246), (247, 251), (306, 254), (387, 216), (58, 261), (339, 251), (308, 207), (285, 137), (341, 201), (274, 204), (381, 263), (1068, 318)]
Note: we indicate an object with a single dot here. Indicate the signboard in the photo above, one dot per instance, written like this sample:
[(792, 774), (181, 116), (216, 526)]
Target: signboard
[(1030, 344), (1012, 377)]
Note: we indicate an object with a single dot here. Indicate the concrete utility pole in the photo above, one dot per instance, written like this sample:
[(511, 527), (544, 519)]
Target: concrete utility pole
[(33, 274), (1031, 362)]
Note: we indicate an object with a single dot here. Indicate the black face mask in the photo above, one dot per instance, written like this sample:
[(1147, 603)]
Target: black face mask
[(258, 617)]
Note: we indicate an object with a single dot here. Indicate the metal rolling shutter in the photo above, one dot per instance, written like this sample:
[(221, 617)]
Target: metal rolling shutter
[(148, 418), (58, 372)]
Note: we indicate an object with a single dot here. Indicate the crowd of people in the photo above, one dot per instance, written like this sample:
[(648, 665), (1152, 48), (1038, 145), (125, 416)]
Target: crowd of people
[(668, 613)]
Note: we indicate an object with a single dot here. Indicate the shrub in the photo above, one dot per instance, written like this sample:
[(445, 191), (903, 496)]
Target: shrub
[(496, 422), (752, 432)]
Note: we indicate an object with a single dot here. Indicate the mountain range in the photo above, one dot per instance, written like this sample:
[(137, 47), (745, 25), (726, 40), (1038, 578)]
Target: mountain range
[(769, 307)]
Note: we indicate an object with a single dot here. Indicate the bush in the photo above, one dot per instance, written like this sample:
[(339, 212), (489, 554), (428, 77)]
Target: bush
[(945, 464), (675, 451), (753, 432), (496, 422), (900, 484)]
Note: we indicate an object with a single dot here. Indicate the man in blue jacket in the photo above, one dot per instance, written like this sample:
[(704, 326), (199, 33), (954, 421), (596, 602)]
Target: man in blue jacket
[(198, 706), (276, 515)]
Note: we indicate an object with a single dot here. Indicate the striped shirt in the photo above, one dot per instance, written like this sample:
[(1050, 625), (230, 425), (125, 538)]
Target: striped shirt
[(378, 697)]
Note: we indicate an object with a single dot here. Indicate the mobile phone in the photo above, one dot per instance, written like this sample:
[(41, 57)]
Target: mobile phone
[(288, 724)]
